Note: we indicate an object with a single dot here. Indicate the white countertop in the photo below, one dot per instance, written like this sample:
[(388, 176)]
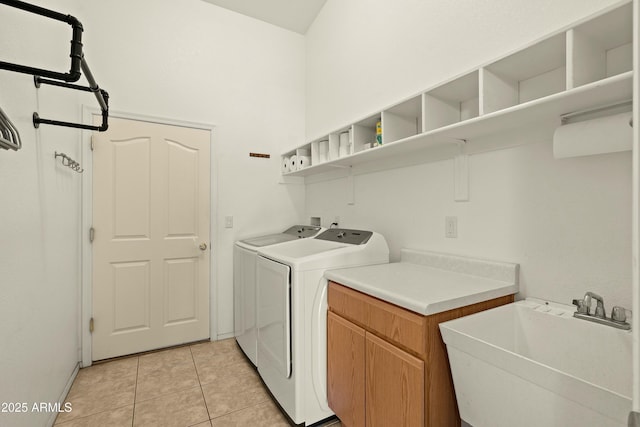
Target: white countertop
[(425, 289)]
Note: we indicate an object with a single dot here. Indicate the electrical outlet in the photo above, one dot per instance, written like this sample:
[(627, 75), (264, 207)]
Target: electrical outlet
[(451, 227), (228, 222)]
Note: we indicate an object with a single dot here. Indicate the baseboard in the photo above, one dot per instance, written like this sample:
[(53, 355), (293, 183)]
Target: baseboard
[(224, 336), (63, 395)]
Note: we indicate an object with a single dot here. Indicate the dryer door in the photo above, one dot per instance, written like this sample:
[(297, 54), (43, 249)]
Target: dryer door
[(244, 298), (274, 315)]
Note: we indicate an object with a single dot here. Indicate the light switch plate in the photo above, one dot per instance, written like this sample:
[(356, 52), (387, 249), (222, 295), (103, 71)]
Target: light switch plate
[(451, 227)]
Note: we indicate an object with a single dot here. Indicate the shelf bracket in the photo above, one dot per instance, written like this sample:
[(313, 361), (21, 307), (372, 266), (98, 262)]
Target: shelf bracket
[(297, 180), (461, 175), (351, 188)]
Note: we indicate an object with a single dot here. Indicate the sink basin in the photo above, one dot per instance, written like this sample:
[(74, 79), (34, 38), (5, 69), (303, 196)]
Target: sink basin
[(531, 363)]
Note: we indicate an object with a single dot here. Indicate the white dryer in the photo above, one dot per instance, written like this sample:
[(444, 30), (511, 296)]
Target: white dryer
[(292, 308), (244, 282)]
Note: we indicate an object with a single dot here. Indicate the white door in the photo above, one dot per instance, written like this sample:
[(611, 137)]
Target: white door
[(151, 192)]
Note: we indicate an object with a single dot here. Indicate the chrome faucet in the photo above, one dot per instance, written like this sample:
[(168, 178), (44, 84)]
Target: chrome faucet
[(618, 317), (599, 307)]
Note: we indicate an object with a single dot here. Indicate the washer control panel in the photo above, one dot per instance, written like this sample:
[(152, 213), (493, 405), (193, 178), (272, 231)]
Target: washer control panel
[(302, 231), (344, 235)]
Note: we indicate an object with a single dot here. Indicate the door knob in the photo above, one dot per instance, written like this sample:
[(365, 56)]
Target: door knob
[(203, 246)]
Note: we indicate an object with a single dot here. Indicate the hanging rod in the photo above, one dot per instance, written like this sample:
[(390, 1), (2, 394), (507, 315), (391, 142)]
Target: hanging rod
[(101, 95), (74, 73), (602, 110), (78, 66)]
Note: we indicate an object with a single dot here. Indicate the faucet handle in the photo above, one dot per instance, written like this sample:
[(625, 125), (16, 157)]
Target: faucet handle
[(618, 314), (582, 307), (600, 311)]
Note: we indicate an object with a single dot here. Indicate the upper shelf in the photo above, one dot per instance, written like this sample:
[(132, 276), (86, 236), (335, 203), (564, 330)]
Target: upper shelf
[(585, 67), (604, 92)]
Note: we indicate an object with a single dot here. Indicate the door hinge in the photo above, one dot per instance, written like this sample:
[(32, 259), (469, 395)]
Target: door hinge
[(91, 325), (92, 234)]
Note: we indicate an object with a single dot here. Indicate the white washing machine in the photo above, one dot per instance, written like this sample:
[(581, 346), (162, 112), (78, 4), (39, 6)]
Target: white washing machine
[(292, 308), (244, 282)]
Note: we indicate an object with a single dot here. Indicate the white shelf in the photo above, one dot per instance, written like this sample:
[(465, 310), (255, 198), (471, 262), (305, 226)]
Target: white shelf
[(402, 120), (452, 102), (584, 67), (364, 133), (601, 47), (532, 73), (604, 92)]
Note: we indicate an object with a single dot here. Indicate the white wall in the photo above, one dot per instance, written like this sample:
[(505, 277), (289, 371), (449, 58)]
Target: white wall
[(566, 222), (190, 60), (39, 225), (182, 60)]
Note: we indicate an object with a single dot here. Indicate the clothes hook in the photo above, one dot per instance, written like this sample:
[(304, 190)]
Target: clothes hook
[(69, 162)]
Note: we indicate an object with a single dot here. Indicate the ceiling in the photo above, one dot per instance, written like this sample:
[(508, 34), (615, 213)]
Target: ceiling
[(294, 15)]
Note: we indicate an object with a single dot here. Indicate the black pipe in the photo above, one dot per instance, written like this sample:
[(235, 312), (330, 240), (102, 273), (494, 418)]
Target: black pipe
[(40, 81), (74, 73), (101, 95), (78, 65), (105, 112), (93, 86), (37, 120), (40, 11)]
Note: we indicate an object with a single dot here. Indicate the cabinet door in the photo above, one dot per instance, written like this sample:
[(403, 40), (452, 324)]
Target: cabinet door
[(345, 370), (394, 386)]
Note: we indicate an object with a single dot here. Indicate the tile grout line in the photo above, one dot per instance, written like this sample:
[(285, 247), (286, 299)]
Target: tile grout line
[(72, 420), (166, 393), (242, 409), (230, 412), (135, 392), (195, 366), (267, 399), (92, 414)]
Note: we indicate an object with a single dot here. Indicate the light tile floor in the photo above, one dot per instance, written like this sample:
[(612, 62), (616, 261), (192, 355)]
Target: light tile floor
[(201, 385)]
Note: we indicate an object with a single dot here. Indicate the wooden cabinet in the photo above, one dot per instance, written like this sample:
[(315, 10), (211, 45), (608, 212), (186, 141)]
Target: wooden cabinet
[(388, 366), (345, 387), (394, 385)]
